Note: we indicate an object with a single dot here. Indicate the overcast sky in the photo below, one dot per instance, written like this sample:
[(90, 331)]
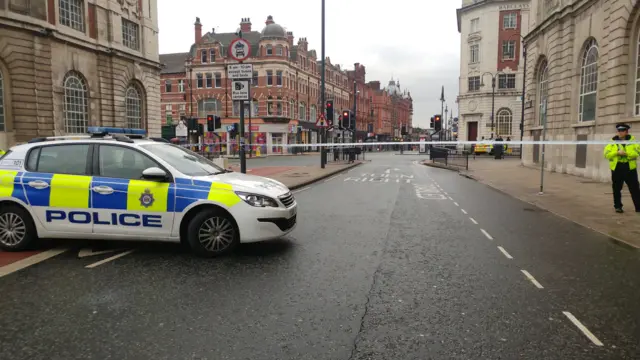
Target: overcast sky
[(413, 41)]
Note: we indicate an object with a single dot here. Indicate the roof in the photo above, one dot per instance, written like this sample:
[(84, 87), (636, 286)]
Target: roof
[(173, 63), (225, 39)]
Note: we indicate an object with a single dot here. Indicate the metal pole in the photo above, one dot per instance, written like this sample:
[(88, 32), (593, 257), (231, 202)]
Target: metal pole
[(191, 91), (251, 137), (524, 89), (243, 155), (355, 111), (323, 153), (493, 103), (544, 135)]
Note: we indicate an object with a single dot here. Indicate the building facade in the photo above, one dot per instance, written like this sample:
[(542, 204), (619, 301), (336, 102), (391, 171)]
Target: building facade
[(285, 88), (392, 109), (69, 64), (491, 67), (589, 80)]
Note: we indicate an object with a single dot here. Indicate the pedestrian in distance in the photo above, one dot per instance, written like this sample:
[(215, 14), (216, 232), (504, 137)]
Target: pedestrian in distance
[(623, 164), (498, 148)]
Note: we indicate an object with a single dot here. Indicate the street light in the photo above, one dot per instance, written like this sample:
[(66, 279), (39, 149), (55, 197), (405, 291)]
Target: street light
[(524, 86), (493, 95), (189, 66)]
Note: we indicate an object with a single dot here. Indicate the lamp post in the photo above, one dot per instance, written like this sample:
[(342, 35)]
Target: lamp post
[(323, 153), (544, 136), (524, 86), (189, 65), (493, 95)]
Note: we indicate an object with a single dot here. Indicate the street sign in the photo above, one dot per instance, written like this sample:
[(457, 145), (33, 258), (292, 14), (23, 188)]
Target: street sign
[(240, 90), (240, 71), (240, 49), (321, 122), (181, 129)]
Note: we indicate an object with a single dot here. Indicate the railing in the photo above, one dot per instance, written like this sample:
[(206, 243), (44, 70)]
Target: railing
[(450, 157)]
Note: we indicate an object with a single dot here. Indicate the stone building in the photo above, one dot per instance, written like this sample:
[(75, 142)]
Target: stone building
[(583, 60), (69, 64), (491, 33)]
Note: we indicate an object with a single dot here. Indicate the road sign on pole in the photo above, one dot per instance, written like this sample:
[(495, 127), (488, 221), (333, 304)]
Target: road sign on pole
[(240, 90), (321, 122), (240, 49), (240, 71)]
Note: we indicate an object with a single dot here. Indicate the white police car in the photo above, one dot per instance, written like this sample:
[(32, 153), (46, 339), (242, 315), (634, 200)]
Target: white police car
[(117, 184)]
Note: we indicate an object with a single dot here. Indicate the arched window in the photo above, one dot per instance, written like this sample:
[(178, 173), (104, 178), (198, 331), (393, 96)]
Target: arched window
[(209, 106), (589, 82), (76, 104), (2, 119), (270, 106), (543, 91), (134, 107), (504, 122)]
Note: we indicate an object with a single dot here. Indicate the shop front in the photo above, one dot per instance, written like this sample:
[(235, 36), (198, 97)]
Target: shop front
[(264, 139)]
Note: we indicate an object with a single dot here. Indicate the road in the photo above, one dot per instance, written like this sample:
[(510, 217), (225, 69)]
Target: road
[(392, 260)]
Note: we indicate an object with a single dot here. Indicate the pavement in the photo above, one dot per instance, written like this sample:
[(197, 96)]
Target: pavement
[(584, 201), (390, 260)]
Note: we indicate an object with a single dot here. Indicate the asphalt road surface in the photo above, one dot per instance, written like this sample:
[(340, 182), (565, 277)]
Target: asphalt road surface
[(392, 260)]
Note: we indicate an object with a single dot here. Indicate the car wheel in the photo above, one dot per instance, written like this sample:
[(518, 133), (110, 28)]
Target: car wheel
[(17, 231), (212, 233)]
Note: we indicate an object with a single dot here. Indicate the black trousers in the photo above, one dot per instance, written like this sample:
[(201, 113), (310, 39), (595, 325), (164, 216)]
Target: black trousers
[(622, 174)]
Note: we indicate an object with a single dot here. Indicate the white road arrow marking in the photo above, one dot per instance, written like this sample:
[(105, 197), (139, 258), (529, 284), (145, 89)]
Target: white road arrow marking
[(89, 252)]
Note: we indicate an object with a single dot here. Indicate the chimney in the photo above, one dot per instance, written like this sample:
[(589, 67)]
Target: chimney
[(290, 37), (269, 20), (198, 30), (375, 85), (245, 25), (356, 65)]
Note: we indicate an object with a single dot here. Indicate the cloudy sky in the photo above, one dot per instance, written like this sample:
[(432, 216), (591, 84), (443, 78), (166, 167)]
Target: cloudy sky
[(415, 42)]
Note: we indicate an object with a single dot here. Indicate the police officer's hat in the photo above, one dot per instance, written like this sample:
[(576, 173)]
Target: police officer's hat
[(622, 127)]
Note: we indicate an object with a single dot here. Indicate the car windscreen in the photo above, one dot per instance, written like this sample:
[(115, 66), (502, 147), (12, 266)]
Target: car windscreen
[(183, 160)]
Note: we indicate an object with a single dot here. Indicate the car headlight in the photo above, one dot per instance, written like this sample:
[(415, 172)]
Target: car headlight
[(257, 200)]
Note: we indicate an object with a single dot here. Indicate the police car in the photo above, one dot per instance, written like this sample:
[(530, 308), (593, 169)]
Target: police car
[(116, 184)]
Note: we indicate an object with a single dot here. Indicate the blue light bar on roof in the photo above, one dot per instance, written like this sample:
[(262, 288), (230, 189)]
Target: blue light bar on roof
[(115, 130)]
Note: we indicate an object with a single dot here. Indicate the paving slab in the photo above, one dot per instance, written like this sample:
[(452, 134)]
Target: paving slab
[(581, 200)]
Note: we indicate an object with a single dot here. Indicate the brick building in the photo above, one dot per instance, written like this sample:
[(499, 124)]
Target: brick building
[(391, 109), (285, 87), (69, 64), (583, 60)]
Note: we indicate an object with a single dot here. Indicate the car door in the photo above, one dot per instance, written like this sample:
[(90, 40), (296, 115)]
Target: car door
[(125, 203), (57, 183)]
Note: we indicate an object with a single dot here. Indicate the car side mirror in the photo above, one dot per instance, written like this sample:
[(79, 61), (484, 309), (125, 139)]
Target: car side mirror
[(154, 173)]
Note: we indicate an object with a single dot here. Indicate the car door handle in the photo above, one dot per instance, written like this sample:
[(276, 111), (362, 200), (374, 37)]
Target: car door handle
[(104, 190), (38, 184)]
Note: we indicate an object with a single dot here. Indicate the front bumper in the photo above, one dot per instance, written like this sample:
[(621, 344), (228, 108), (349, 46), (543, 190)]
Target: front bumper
[(260, 224)]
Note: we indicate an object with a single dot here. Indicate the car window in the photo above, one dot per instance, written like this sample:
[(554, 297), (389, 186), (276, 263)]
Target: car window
[(122, 162), (183, 160), (62, 159)]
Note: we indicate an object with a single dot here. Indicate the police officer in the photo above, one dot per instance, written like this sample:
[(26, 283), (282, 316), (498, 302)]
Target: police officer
[(2, 152), (622, 161)]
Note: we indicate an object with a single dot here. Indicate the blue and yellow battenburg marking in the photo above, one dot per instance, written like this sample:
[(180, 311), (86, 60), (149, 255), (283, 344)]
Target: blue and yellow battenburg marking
[(74, 191)]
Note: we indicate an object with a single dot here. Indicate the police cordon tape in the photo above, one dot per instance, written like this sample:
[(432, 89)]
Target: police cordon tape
[(481, 142)]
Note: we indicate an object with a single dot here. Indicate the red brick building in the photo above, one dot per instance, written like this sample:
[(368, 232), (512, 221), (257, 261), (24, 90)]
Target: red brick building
[(285, 87), (391, 108)]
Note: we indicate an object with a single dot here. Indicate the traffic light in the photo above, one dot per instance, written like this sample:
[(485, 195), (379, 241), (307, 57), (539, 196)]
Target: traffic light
[(346, 119), (213, 122), (432, 124), (437, 122), (193, 123), (403, 130), (329, 111)]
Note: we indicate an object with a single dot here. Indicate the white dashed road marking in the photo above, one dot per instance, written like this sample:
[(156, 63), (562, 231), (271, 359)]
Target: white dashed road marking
[(464, 211), (473, 220), (504, 252), (91, 266), (331, 178), (486, 234), (301, 190), (532, 279), (583, 328), (455, 203), (31, 260)]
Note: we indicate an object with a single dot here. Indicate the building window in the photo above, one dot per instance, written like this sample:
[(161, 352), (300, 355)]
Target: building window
[(270, 106), (130, 34), (269, 50), (209, 106), (474, 53), (589, 82), (203, 56), (510, 21), (209, 80), (313, 114), (279, 78), (199, 81), (254, 79), (302, 111), (269, 78), (2, 120), (247, 108), (218, 80), (506, 81), (543, 91), (279, 50), (167, 86), (212, 55), (474, 83), (508, 50), (475, 25), (279, 110), (181, 85), (76, 104), (133, 104), (255, 108), (292, 107), (504, 121), (72, 14)]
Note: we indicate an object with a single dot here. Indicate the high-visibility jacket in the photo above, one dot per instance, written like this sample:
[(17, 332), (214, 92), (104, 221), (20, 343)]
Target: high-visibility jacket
[(611, 153), (2, 152)]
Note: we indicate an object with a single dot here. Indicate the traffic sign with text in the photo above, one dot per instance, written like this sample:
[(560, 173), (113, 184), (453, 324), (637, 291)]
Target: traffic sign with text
[(240, 90), (240, 71)]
